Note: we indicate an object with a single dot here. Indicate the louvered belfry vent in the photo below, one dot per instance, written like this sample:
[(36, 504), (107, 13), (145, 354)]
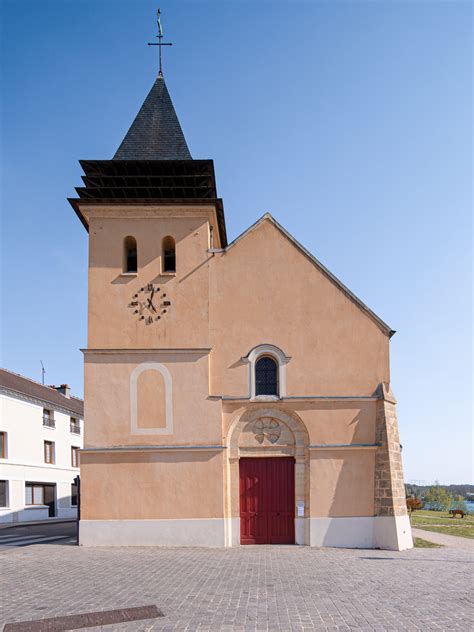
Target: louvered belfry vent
[(152, 166), (132, 179)]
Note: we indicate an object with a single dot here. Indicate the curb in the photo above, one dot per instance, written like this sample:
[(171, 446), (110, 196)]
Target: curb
[(11, 525)]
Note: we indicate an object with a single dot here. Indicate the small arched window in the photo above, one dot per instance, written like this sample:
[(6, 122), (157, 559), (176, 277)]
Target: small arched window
[(130, 259), (266, 376), (169, 254)]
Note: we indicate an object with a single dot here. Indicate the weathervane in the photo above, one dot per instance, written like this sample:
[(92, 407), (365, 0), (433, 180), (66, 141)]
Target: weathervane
[(160, 43)]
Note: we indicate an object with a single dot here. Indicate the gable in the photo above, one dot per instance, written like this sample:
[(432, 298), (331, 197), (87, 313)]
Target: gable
[(267, 221)]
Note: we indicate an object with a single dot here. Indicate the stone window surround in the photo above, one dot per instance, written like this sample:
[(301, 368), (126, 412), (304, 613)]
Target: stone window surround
[(282, 360)]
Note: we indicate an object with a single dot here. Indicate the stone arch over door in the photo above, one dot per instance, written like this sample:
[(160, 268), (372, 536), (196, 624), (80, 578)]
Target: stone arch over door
[(260, 431)]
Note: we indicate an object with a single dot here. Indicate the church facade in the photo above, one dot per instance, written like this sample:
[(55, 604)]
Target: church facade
[(235, 393)]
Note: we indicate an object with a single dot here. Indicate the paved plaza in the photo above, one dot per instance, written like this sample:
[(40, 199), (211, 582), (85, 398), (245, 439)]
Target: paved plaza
[(244, 588)]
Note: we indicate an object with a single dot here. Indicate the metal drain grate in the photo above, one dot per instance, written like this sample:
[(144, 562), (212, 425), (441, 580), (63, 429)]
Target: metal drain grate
[(85, 620)]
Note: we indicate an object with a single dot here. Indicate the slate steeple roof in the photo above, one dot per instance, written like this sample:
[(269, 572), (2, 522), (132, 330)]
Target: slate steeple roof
[(155, 134), (152, 166)]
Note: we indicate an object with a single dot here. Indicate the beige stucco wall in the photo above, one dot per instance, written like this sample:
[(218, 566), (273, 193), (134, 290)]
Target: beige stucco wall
[(331, 422), (112, 323), (264, 290), (196, 419), (342, 482), (151, 485)]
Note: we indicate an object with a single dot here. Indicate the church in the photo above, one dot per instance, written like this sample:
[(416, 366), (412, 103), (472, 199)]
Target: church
[(236, 392)]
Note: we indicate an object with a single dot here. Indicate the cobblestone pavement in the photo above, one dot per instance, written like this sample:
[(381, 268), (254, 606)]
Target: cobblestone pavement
[(243, 588)]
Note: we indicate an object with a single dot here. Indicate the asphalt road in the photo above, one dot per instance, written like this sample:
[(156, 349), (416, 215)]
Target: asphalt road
[(29, 535)]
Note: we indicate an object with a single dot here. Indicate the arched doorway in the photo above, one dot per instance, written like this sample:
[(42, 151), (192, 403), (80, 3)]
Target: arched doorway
[(267, 446)]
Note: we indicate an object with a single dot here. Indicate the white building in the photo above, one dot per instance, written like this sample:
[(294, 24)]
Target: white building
[(41, 433)]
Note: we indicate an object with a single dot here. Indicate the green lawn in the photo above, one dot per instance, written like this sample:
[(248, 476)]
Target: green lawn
[(442, 522), (419, 543)]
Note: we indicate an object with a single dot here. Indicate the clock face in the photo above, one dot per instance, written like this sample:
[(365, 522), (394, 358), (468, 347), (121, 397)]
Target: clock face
[(150, 304)]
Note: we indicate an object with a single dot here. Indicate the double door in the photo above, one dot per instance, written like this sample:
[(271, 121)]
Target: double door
[(267, 500)]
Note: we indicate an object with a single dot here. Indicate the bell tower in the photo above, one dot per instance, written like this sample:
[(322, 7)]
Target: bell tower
[(152, 214), (154, 221)]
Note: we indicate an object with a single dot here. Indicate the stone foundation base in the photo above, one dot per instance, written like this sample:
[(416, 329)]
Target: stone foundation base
[(371, 532), (206, 532), (390, 533)]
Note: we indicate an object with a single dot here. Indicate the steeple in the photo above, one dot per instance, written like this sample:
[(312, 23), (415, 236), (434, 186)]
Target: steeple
[(152, 166), (155, 134)]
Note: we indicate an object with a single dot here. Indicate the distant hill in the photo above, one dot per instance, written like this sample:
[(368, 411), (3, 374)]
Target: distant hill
[(464, 490)]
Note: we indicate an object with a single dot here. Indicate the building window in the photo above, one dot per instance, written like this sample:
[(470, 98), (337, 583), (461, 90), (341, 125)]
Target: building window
[(34, 494), (3, 445), (267, 371), (48, 418), (3, 493), (130, 256), (266, 376), (48, 452), (74, 456), (75, 426), (169, 255), (73, 495)]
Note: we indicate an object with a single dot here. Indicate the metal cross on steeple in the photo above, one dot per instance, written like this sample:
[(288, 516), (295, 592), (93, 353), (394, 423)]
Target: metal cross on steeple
[(160, 43)]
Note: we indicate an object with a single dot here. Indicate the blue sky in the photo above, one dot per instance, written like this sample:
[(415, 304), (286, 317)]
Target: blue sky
[(348, 121)]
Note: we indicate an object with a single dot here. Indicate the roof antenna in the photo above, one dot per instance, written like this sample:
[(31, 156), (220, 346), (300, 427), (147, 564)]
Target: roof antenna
[(43, 371), (160, 43)]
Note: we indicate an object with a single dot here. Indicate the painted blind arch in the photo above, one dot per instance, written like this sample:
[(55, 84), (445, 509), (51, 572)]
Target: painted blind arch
[(167, 429)]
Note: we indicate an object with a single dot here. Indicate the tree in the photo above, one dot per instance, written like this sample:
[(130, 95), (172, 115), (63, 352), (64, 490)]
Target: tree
[(414, 503), (438, 498), (459, 503)]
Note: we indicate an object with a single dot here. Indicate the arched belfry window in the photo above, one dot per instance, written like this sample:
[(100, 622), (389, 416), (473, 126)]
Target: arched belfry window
[(130, 258), (169, 255), (266, 376)]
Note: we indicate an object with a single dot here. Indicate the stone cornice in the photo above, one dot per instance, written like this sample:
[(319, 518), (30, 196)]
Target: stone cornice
[(154, 448), (182, 351), (303, 398), (345, 446)]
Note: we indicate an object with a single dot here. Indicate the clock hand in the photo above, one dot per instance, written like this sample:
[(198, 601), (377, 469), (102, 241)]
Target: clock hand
[(150, 300), (151, 305)]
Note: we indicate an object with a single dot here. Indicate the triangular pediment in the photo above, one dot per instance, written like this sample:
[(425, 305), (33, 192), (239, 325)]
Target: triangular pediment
[(329, 275)]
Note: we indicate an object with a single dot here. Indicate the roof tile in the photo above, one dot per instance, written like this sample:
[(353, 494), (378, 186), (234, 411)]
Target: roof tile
[(20, 384), (155, 134)]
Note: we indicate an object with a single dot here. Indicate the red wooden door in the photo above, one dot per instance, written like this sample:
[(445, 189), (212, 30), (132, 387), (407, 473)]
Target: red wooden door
[(267, 500)]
